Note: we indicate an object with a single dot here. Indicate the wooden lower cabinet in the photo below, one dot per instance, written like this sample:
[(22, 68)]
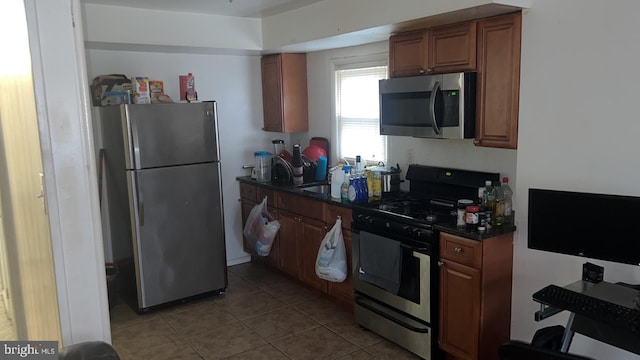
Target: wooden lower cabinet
[(304, 223), (290, 252), (273, 258), (313, 232), (475, 295), (342, 292), (459, 310)]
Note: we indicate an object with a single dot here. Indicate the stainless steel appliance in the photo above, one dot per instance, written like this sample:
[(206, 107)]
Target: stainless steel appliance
[(164, 197), (395, 255), (435, 106)]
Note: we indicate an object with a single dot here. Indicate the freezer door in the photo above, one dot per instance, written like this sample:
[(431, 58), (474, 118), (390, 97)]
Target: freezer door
[(172, 134), (179, 243)]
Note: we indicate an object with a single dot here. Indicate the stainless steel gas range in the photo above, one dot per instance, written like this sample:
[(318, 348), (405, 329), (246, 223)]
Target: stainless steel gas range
[(395, 255)]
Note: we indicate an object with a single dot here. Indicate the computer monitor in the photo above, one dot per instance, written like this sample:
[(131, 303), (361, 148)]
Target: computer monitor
[(598, 226)]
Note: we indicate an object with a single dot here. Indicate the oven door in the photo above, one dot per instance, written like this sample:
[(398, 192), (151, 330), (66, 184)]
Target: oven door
[(414, 294)]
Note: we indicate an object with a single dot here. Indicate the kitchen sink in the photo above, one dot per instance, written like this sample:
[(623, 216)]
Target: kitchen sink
[(317, 188)]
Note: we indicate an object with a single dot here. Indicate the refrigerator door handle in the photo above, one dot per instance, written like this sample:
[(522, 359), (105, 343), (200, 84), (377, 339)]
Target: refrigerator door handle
[(140, 201)]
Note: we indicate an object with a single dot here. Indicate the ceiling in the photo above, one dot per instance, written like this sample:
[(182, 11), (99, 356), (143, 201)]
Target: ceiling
[(240, 8)]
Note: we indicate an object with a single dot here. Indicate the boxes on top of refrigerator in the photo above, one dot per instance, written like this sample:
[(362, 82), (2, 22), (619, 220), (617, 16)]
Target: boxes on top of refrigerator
[(141, 93), (106, 88)]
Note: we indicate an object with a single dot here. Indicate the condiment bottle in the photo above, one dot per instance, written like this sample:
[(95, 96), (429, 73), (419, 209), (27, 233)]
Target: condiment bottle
[(462, 211), (471, 218)]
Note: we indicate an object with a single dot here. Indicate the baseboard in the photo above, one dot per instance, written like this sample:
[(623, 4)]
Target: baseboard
[(240, 260)]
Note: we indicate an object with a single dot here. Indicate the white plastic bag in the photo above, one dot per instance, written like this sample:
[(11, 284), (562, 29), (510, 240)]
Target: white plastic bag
[(331, 263), (261, 229)]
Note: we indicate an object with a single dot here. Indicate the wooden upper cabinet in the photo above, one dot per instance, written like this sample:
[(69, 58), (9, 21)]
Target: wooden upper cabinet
[(497, 103), (448, 48), (453, 48), (284, 92), (408, 53)]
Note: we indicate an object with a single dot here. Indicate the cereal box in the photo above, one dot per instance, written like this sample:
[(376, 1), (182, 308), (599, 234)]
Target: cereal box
[(141, 90), (156, 89)]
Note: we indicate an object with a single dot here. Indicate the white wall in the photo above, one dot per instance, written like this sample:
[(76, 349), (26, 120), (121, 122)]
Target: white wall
[(403, 150), (578, 131), (235, 83), (132, 27), (71, 186)]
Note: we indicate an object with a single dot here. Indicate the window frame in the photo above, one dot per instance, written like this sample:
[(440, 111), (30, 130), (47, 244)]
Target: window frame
[(347, 63)]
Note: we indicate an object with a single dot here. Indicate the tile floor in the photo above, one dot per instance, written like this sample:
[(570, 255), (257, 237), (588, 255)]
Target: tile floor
[(262, 315)]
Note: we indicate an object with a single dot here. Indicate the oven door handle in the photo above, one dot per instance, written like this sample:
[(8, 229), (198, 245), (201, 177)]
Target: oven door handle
[(415, 249), (389, 317)]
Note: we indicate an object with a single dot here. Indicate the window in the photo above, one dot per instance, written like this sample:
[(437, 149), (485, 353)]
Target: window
[(358, 112)]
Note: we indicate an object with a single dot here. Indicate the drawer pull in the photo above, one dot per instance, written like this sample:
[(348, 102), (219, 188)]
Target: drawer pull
[(458, 250)]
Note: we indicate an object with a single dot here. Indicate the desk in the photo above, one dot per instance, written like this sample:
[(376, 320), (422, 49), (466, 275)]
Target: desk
[(583, 324)]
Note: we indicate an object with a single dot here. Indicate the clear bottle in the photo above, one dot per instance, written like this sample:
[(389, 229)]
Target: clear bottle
[(377, 185), (497, 207), (489, 186), (359, 165), (482, 217), (491, 202), (485, 208), (508, 201)]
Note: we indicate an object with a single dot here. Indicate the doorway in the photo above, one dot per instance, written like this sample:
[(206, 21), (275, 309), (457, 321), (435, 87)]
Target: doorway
[(28, 277)]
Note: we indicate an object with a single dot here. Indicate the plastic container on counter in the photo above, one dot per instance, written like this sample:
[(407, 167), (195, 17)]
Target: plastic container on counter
[(263, 166)]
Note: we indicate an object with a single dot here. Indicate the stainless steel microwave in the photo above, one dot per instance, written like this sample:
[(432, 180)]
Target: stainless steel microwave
[(435, 106)]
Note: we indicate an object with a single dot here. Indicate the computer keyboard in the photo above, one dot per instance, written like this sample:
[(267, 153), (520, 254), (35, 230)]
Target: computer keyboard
[(588, 306)]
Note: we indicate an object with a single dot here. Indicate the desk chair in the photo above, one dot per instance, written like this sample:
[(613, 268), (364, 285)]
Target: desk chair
[(518, 350), (90, 350)]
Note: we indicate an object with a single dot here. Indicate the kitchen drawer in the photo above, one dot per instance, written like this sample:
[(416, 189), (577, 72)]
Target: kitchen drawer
[(334, 211), (313, 209), (248, 191), (461, 250), (271, 195)]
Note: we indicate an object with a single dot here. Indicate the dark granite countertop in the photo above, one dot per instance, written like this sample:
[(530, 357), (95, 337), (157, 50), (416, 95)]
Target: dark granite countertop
[(453, 229), (450, 228), (296, 190)]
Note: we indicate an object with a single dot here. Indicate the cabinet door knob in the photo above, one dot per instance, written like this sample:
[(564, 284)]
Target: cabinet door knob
[(421, 71), (458, 250), (440, 263)]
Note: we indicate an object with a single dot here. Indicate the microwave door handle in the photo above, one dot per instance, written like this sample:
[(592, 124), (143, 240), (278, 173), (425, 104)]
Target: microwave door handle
[(432, 106)]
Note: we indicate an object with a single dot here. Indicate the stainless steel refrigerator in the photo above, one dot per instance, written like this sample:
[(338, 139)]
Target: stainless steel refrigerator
[(164, 193)]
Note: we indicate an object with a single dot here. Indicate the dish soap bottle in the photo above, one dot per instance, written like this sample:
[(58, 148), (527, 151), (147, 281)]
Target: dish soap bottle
[(337, 178), (344, 188)]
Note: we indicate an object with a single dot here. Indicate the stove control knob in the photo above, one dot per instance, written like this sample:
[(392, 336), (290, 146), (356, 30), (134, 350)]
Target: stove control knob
[(407, 229), (368, 219), (417, 232)]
